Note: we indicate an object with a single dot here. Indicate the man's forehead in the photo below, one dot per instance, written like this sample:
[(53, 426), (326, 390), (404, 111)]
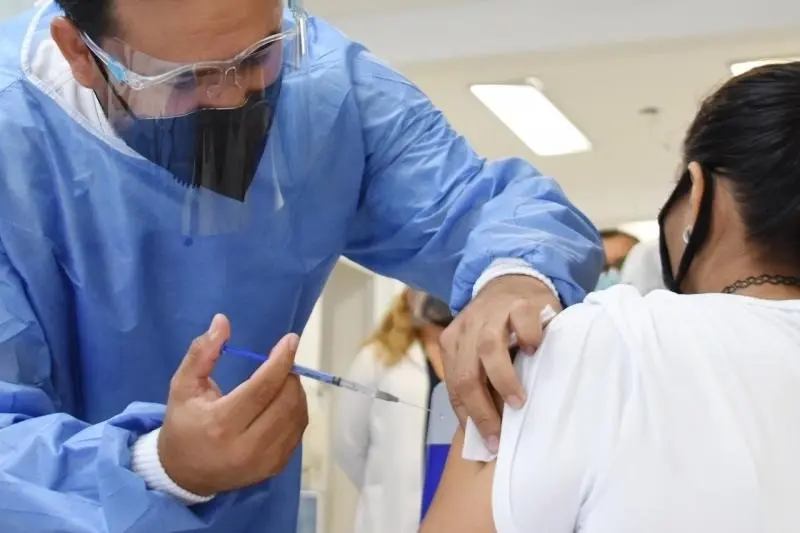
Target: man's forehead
[(184, 31)]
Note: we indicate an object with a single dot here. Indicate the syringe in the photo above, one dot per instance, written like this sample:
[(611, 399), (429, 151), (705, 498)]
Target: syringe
[(324, 377)]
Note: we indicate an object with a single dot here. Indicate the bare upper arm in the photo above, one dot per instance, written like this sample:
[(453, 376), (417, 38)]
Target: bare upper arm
[(463, 501), (576, 388)]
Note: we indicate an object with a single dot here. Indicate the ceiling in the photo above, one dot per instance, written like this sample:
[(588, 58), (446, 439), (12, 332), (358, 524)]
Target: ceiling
[(411, 31), (603, 90), (602, 63), (342, 9)]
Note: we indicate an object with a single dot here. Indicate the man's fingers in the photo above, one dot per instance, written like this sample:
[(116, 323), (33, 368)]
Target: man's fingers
[(198, 364), (278, 429), (473, 394), (468, 384), (502, 376), (247, 401), (526, 323), (493, 353), (448, 342), (458, 406), (287, 413)]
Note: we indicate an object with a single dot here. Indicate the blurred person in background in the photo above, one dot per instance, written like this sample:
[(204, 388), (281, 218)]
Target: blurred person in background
[(617, 245), (642, 268), (379, 445), (677, 411)]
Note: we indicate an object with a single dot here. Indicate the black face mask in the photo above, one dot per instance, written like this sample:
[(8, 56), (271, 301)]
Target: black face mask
[(696, 238), (436, 312), (217, 149)]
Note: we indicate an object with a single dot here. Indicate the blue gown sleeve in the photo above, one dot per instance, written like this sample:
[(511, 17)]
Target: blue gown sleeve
[(435, 215), (58, 473)]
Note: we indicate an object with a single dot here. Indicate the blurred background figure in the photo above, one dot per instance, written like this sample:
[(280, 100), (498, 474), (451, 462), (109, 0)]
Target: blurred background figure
[(642, 268), (380, 446), (617, 245)]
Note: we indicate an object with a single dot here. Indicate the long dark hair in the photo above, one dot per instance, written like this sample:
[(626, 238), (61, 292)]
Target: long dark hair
[(748, 133)]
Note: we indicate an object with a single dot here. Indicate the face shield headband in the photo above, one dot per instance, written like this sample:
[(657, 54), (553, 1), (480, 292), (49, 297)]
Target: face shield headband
[(694, 237)]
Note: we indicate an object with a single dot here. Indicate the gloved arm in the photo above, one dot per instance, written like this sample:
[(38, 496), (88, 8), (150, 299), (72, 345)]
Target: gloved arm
[(58, 473), (352, 439), (435, 215)]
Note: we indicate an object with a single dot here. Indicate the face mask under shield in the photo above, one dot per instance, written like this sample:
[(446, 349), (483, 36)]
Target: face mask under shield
[(211, 127)]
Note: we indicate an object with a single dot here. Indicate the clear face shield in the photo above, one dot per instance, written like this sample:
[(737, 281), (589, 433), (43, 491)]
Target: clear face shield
[(210, 126)]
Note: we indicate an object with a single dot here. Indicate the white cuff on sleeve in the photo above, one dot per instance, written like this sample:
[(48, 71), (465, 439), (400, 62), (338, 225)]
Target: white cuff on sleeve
[(511, 267), (146, 464)]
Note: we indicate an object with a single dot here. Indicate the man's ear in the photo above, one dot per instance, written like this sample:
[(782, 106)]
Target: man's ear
[(69, 40)]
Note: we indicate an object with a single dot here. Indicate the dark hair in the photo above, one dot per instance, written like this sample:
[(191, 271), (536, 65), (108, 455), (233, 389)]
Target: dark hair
[(611, 233), (93, 17), (748, 133)]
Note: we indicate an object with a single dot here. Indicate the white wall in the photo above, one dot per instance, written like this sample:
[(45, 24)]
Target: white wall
[(351, 304)]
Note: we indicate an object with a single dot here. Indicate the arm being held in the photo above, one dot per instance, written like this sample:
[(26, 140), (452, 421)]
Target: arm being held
[(436, 215), (577, 387), (463, 502)]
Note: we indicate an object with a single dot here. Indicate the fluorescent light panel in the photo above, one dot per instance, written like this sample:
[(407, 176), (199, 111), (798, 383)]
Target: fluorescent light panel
[(533, 118), (743, 66)]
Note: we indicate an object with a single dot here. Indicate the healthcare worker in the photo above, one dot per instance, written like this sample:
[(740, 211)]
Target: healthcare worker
[(165, 161), (380, 445), (617, 245)]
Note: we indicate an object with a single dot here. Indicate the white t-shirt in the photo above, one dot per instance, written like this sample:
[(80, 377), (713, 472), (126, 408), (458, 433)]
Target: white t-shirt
[(657, 414)]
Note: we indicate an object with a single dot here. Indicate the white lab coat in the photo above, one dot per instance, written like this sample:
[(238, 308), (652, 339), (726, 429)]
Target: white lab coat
[(380, 446)]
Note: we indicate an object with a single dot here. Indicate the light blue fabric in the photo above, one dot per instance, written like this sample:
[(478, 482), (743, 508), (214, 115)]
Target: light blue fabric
[(101, 293), (608, 278)]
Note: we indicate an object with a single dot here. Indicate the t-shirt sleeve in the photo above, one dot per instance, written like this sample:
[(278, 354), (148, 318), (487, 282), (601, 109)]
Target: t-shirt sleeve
[(550, 450)]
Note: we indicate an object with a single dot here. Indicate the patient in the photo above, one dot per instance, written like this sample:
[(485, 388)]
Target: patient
[(678, 411)]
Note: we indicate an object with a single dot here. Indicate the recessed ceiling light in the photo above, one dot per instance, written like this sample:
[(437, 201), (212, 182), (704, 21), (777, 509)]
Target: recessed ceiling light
[(743, 66), (538, 123)]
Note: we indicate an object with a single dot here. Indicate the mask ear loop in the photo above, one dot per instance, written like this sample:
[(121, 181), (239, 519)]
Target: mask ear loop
[(107, 79), (698, 235)]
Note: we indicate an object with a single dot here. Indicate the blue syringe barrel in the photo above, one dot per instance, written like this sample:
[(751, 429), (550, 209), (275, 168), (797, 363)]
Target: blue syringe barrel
[(316, 375)]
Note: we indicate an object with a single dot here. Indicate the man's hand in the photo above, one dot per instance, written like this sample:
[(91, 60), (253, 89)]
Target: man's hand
[(475, 349), (211, 443)]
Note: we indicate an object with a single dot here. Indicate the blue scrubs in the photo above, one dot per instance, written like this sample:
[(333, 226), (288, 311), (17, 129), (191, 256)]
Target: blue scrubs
[(101, 291)]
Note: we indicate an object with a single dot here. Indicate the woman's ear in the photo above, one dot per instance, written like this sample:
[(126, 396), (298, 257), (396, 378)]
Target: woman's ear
[(75, 51), (698, 188)]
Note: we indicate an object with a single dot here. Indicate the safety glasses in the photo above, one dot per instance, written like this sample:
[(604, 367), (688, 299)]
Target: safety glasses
[(153, 88)]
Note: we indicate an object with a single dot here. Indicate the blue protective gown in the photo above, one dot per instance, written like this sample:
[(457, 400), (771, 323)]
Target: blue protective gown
[(101, 293)]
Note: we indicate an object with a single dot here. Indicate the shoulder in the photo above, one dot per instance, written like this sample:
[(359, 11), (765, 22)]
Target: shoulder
[(578, 385), (12, 36), (17, 34), (592, 345), (603, 340), (351, 65), (592, 321)]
